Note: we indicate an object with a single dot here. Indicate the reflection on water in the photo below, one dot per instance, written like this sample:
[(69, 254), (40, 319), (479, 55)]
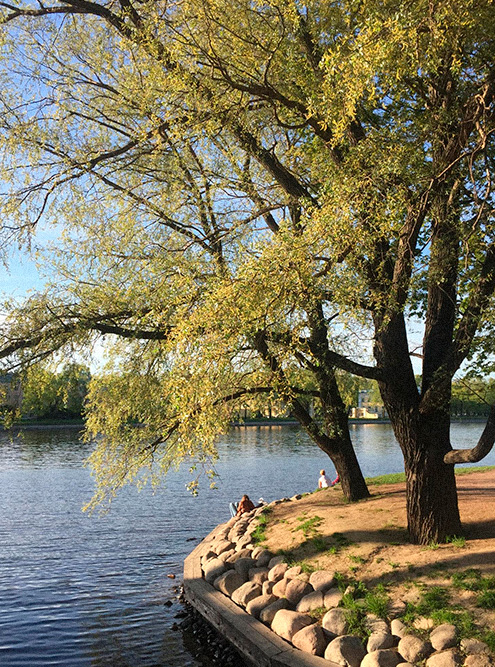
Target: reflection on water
[(80, 591)]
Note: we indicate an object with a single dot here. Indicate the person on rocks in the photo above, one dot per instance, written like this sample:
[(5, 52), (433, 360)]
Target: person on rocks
[(245, 505)]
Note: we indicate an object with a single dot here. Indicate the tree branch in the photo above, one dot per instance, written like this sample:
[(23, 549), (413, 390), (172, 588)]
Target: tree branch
[(482, 449)]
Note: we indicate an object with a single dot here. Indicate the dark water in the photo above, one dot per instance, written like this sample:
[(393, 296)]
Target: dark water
[(80, 591)]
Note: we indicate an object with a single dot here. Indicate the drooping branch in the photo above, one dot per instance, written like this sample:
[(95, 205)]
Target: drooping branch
[(482, 449)]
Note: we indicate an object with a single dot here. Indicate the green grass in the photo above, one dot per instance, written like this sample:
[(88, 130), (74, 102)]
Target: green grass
[(308, 526), (259, 534), (397, 477), (455, 541)]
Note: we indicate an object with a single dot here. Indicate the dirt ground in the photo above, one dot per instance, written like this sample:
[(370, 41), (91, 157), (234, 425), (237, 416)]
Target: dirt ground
[(367, 541)]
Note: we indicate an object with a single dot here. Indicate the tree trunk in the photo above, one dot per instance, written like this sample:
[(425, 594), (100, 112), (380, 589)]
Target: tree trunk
[(431, 493)]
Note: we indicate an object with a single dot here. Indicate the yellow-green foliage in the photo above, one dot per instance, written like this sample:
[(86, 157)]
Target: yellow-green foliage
[(215, 171)]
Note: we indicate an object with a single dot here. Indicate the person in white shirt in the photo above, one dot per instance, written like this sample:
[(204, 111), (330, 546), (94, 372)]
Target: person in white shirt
[(324, 481)]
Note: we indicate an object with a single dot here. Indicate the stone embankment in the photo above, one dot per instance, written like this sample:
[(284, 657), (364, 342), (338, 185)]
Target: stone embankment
[(263, 606)]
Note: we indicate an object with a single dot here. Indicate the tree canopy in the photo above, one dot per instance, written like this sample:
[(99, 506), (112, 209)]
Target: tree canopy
[(253, 195)]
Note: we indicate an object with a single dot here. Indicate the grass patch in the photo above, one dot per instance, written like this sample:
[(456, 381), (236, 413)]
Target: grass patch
[(308, 526), (259, 533), (455, 541), (395, 478), (486, 600), (392, 478)]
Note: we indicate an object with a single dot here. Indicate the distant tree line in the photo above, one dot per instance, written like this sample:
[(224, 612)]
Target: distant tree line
[(42, 393)]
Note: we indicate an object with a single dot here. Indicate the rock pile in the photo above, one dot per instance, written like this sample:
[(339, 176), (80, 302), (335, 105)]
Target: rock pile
[(282, 597)]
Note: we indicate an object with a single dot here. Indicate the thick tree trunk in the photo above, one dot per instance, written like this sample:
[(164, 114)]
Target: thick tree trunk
[(431, 494), (336, 443)]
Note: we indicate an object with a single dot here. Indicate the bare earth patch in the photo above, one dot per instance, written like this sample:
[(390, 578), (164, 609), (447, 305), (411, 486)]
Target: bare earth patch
[(367, 541)]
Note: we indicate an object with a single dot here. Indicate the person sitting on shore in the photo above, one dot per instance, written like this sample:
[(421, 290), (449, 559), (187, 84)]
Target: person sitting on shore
[(324, 482), (245, 505)]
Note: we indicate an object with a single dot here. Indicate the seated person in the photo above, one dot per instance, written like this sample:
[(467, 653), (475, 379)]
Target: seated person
[(324, 481), (245, 505)]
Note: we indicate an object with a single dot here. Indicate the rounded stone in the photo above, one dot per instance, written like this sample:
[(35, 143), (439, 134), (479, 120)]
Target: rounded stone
[(322, 580), (286, 623), (448, 658), (478, 660), (335, 621), (256, 605), (381, 658), (296, 590), (473, 646), (443, 636), (398, 628), (310, 602), (243, 565), (292, 572), (332, 598), (213, 569), (276, 560), (268, 614), (347, 651), (258, 575), (228, 582), (380, 640), (310, 640), (279, 587), (413, 648), (277, 572), (246, 593)]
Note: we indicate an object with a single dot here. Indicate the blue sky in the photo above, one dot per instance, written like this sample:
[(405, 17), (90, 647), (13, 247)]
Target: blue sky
[(20, 277)]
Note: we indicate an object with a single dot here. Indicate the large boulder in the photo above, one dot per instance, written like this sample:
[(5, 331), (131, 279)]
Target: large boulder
[(213, 568), (296, 590), (444, 659), (413, 648), (277, 572), (268, 613), (310, 602), (243, 565), (256, 605), (380, 640), (478, 660), (258, 575), (292, 572), (443, 636), (347, 651), (228, 582), (262, 558), (226, 555), (473, 646), (279, 587), (237, 555), (375, 623), (268, 587), (310, 639), (398, 629), (322, 580), (332, 598), (246, 593), (286, 623), (335, 621), (276, 560), (221, 545), (381, 658)]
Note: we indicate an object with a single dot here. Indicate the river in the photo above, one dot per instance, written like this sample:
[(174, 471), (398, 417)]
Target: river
[(83, 591)]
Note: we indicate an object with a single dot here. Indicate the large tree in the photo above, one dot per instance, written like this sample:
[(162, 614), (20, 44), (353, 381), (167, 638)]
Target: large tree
[(250, 192)]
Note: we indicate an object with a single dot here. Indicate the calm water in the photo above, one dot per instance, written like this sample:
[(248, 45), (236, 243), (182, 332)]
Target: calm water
[(79, 591)]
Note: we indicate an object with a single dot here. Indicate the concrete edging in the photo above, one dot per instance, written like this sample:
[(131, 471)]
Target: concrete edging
[(257, 643)]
